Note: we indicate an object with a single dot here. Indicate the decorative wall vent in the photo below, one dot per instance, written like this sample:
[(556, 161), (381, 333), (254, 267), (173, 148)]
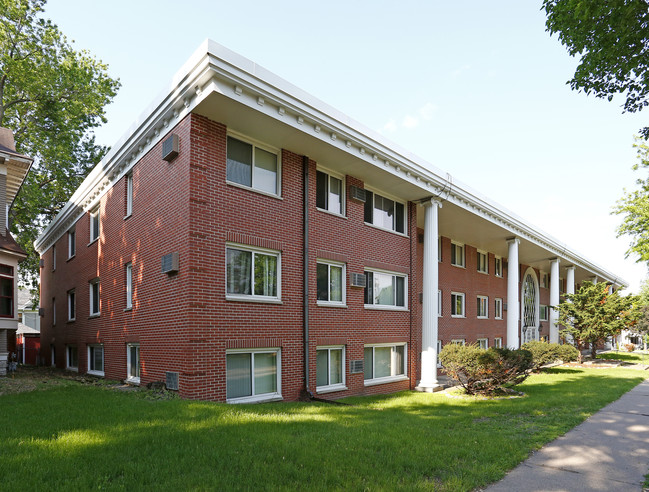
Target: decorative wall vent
[(170, 147), (41, 263), (357, 194), (356, 366), (358, 280), (171, 380), (170, 263)]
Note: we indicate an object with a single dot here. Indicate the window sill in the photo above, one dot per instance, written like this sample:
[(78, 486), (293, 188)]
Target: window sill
[(71, 258), (93, 241), (402, 234), (256, 399), (126, 310), (457, 316), (259, 300), (72, 320), (324, 210), (483, 273), (375, 307), (331, 304), (330, 389), (134, 381), (128, 216), (73, 369), (498, 317), (391, 379), (96, 373), (254, 190), (482, 317), (92, 316), (458, 266)]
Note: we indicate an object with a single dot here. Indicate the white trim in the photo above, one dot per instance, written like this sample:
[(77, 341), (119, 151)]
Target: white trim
[(498, 300), (91, 297), (455, 244), (129, 194), (129, 363), (485, 301), (94, 234), (461, 294), (498, 344), (67, 358), (330, 388), (390, 307), (394, 377), (253, 297), (376, 191), (103, 359), (486, 343), (273, 396), (72, 306), (343, 190), (330, 263), (72, 244), (129, 284), (486, 262), (262, 146), (498, 272)]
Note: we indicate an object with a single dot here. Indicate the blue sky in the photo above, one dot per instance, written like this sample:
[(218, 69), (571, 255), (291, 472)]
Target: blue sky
[(478, 89)]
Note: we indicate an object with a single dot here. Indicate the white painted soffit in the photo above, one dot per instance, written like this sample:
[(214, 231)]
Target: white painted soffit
[(216, 69)]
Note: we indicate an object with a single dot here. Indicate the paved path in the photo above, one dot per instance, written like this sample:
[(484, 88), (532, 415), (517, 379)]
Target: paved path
[(607, 452)]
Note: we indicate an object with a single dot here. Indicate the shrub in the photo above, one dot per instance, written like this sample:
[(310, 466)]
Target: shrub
[(546, 353), (629, 347), (485, 372)]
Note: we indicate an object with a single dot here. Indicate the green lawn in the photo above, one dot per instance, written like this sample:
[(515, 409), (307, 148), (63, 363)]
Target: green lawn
[(635, 357), (80, 437)]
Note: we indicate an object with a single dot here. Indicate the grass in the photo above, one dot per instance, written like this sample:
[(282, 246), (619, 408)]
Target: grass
[(83, 437), (634, 357)]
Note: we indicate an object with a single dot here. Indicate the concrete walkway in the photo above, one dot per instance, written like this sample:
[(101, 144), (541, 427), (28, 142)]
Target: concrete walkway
[(608, 452)]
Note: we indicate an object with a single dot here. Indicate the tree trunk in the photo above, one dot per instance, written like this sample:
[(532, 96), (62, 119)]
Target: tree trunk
[(593, 350)]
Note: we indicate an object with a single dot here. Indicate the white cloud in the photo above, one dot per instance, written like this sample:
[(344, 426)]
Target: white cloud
[(427, 111), (390, 126), (410, 122)]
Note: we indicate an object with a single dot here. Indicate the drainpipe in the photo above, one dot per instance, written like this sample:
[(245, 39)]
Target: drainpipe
[(305, 294)]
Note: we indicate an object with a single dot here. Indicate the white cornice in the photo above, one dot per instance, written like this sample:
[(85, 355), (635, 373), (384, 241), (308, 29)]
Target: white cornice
[(214, 68)]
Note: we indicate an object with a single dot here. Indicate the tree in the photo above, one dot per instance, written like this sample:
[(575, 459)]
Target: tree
[(52, 97), (592, 314), (612, 40)]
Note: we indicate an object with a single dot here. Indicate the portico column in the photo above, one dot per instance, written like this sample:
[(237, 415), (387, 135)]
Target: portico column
[(554, 300), (513, 341), (430, 309), (570, 280)]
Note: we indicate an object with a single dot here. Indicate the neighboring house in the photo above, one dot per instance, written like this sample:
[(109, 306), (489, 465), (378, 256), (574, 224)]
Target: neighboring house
[(28, 335), (13, 169), (246, 242)]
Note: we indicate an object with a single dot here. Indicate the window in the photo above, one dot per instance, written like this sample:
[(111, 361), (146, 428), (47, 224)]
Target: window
[(129, 285), (94, 225), (498, 266), (53, 311), (439, 349), (561, 288), (72, 305), (385, 212), (545, 280), (457, 305), (133, 362), (439, 249), (483, 262), (483, 309), (330, 372), (6, 291), (457, 254), (384, 363), (253, 375), (498, 342), (385, 289), (96, 360), (498, 308), (483, 343), (52, 355), (329, 193), (331, 283), (252, 273), (252, 166), (72, 358), (53, 257), (94, 297), (129, 195), (72, 243), (543, 313), (459, 341), (439, 303)]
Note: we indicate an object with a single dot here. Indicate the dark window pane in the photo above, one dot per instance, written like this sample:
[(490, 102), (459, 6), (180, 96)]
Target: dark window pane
[(399, 217), (369, 287), (369, 206), (322, 190), (323, 282), (401, 296), (369, 363), (239, 162), (322, 368), (239, 272), (238, 375)]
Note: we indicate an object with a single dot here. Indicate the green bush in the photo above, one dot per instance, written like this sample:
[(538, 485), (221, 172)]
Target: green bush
[(485, 372), (546, 353)]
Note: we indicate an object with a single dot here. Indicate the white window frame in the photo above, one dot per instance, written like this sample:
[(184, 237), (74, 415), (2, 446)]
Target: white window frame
[(254, 297), (129, 195), (331, 175), (439, 249), (498, 266), (262, 146), (329, 388), (129, 285), (129, 363), (72, 305), (53, 311), (95, 225), (54, 257), (390, 307), (382, 194), (483, 343), (439, 303), (454, 296), (498, 308), (439, 349), (459, 341), (498, 342), (328, 302), (483, 266), (277, 395), (91, 348), (455, 246), (482, 307), (393, 356), (545, 280), (68, 359), (91, 297), (544, 311), (72, 243)]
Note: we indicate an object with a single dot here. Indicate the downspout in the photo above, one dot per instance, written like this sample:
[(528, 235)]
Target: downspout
[(305, 294)]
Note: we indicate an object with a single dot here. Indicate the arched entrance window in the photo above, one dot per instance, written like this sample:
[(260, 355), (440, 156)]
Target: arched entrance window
[(530, 307)]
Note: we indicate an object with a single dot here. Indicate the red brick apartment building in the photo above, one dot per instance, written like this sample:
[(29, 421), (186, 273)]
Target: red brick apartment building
[(245, 242)]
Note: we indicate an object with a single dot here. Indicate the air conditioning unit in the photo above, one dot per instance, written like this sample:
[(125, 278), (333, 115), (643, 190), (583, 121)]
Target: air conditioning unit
[(41, 312), (170, 263), (41, 263), (170, 147), (357, 194), (358, 280), (171, 380), (356, 366)]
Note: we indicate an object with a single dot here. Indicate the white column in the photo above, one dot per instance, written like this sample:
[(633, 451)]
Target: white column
[(513, 341), (429, 319), (554, 300), (570, 280)]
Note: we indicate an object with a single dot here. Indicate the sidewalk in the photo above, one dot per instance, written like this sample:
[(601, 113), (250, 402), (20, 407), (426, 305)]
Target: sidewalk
[(607, 452)]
